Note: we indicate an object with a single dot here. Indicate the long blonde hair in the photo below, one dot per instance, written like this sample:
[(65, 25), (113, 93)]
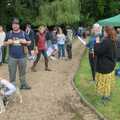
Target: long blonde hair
[(60, 31)]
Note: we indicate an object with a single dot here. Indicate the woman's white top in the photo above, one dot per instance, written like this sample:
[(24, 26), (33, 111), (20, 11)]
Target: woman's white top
[(2, 38), (61, 39)]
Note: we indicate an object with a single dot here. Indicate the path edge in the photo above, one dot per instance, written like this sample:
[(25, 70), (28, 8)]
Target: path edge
[(82, 98)]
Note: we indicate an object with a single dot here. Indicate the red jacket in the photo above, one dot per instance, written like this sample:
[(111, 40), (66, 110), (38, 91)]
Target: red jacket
[(41, 44)]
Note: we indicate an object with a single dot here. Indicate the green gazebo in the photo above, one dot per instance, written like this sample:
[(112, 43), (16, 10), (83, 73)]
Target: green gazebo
[(112, 21)]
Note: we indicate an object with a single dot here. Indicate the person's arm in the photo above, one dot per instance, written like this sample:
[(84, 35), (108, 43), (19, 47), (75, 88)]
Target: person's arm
[(26, 41), (10, 86), (36, 41), (8, 40)]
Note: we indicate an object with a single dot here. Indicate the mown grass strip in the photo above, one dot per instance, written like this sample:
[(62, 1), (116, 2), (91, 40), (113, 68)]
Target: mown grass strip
[(83, 83)]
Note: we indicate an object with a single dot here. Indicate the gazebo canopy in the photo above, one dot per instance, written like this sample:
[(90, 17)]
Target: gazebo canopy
[(112, 21)]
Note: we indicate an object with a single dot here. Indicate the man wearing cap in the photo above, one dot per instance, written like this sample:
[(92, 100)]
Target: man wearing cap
[(17, 39)]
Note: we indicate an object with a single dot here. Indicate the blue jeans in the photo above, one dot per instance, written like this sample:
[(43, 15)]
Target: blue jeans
[(61, 50), (21, 63)]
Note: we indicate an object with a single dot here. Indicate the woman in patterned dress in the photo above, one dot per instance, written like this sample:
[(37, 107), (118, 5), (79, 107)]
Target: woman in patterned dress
[(106, 60)]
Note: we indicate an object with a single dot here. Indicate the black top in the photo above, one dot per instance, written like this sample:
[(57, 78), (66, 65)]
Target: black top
[(106, 56), (118, 47)]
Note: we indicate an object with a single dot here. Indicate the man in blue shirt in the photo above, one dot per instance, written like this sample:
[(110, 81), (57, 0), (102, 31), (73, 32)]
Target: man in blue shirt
[(17, 40)]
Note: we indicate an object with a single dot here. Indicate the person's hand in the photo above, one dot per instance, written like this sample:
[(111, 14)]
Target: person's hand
[(16, 42), (23, 41), (10, 42)]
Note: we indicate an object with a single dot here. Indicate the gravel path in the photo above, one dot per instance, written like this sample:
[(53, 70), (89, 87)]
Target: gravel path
[(52, 96)]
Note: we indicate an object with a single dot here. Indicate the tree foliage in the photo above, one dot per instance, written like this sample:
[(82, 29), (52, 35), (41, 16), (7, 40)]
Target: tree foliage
[(55, 12), (59, 12)]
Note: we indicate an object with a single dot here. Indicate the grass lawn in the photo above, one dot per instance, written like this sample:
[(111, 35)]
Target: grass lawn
[(111, 110)]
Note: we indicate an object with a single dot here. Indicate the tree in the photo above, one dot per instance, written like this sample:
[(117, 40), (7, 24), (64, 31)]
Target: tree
[(55, 12), (59, 12)]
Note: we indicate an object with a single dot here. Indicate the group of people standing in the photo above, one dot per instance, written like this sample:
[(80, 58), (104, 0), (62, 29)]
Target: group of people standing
[(24, 45), (102, 59), (53, 42), (50, 43)]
